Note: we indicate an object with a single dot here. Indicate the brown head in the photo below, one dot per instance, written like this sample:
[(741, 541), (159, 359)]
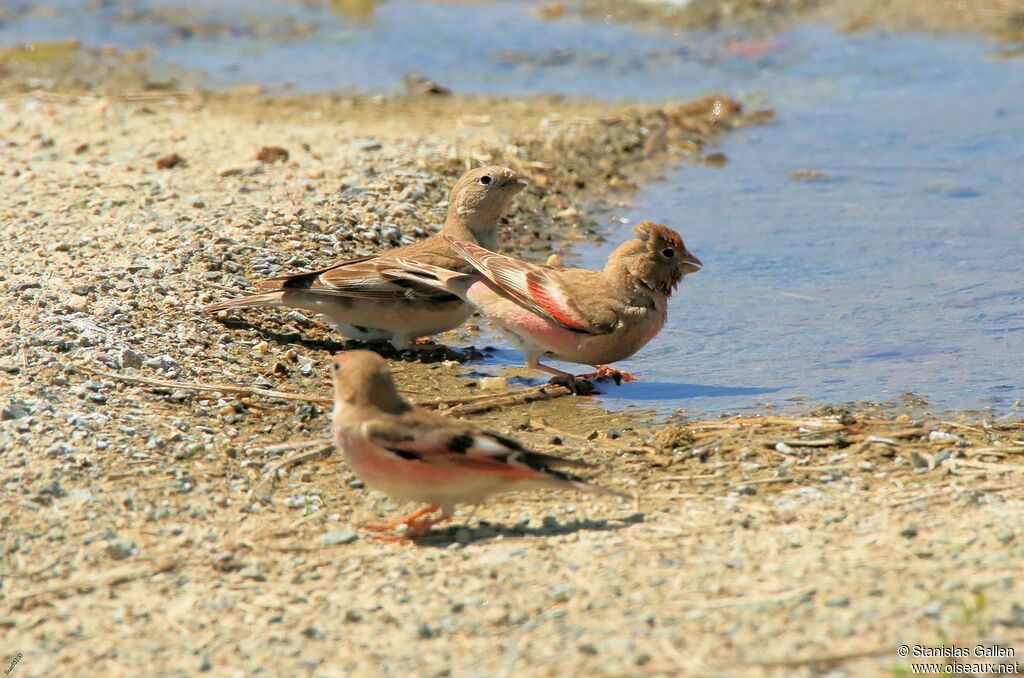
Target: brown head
[(478, 200), (656, 258), (364, 378)]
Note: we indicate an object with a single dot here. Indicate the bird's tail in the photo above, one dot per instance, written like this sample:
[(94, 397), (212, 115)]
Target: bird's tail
[(433, 277), (264, 299), (570, 481)]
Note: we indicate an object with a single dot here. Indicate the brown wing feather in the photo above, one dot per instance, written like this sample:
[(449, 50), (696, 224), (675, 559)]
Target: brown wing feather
[(545, 290)]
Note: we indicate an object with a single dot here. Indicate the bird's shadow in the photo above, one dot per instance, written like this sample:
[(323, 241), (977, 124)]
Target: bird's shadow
[(431, 353), (484, 531)]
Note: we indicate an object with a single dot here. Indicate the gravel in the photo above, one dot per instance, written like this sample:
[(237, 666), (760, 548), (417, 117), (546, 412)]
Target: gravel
[(136, 524)]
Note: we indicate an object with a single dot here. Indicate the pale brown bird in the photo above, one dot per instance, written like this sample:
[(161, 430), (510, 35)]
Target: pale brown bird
[(416, 455), (571, 314), (360, 303)]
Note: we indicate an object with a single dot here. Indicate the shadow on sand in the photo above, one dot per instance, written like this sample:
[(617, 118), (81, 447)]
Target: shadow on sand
[(485, 531)]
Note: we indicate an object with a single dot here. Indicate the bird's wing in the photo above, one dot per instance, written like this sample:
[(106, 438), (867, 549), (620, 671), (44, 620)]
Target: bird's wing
[(422, 437), (359, 278), (541, 289)]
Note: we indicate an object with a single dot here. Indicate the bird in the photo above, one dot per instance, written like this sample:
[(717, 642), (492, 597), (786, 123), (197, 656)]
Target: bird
[(575, 315), (361, 304), (413, 454)]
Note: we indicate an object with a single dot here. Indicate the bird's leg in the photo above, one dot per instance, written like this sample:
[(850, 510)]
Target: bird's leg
[(576, 385), (618, 376), (409, 520)]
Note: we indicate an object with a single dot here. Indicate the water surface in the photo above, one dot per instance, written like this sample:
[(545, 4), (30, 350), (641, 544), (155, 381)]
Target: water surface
[(900, 269)]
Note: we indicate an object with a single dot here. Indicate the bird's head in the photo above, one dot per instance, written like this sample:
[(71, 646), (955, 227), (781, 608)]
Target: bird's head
[(364, 378), (480, 197), (656, 257)]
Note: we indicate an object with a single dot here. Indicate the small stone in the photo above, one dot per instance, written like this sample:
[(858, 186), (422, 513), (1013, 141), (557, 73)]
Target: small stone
[(129, 358), (785, 449), (13, 411), (336, 537), (272, 154), (942, 436), (493, 384), (77, 303), (169, 161), (297, 317), (243, 169), (1016, 618), (253, 572), (119, 549), (366, 145), (312, 632)]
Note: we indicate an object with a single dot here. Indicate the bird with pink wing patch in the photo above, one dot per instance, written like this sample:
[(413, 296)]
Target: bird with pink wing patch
[(576, 315)]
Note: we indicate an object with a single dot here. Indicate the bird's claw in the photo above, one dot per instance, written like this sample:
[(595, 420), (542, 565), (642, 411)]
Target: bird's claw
[(603, 371), (415, 524)]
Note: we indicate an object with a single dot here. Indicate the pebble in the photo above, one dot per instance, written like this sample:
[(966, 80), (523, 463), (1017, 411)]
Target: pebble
[(253, 572), (77, 303), (13, 411), (119, 549), (493, 383), (311, 632), (241, 169), (336, 537), (909, 532), (942, 436)]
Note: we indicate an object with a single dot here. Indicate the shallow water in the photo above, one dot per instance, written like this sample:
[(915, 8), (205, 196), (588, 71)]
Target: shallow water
[(899, 269)]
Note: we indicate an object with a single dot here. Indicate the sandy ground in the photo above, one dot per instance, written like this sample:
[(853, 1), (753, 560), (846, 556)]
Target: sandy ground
[(141, 534)]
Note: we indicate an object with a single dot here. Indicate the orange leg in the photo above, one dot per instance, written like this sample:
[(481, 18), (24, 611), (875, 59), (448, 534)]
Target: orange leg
[(416, 526), (424, 341), (617, 376)]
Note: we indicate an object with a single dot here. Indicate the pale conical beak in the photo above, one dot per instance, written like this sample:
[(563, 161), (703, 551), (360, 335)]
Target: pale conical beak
[(516, 182), (690, 264)]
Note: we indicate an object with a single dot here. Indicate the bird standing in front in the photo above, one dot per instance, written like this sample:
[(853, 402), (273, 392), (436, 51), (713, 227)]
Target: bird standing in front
[(576, 315), (416, 455), (360, 303)]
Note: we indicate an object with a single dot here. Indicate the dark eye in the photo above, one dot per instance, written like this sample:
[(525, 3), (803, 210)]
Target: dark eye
[(668, 253), (485, 179)]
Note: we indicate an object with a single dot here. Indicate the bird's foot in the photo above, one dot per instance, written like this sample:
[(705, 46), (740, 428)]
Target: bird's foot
[(415, 523), (603, 371)]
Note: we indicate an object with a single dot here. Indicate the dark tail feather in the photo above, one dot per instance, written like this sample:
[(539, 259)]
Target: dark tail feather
[(265, 299)]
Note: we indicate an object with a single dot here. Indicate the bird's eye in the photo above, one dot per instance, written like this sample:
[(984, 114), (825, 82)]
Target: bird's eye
[(485, 180), (668, 253)]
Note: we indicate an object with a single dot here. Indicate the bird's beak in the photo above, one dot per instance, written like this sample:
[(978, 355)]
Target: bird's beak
[(690, 264), (516, 182)]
